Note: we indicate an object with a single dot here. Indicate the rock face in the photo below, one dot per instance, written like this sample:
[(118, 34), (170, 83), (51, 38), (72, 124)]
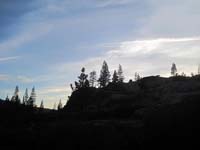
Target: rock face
[(146, 94)]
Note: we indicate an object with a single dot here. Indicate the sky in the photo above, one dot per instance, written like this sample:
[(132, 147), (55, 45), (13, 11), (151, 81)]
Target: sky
[(45, 43)]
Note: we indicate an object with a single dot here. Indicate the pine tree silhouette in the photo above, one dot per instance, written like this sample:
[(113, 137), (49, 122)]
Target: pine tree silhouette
[(104, 75), (115, 77), (120, 74)]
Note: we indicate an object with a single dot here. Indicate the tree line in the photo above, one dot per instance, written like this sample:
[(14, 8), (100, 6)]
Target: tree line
[(174, 71), (27, 100), (105, 77)]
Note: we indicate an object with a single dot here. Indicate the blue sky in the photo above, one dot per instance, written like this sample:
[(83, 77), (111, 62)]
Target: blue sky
[(44, 43)]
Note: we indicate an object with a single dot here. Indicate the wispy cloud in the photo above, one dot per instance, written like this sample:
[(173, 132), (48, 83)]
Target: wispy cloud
[(55, 90), (107, 3), (4, 77), (25, 37), (52, 94), (149, 57), (3, 59), (32, 79)]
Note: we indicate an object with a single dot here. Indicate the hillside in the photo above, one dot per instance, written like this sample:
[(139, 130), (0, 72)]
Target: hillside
[(154, 112), (137, 97)]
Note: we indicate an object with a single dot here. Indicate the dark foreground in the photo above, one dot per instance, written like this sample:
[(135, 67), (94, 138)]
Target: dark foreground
[(156, 125)]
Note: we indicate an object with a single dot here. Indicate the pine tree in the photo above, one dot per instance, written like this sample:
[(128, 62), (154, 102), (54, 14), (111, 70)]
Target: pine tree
[(25, 98), (16, 91), (104, 75), (42, 105), (115, 78), (87, 83), (77, 86), (137, 76), (183, 74), (71, 85), (82, 78), (93, 78), (15, 97), (7, 98), (60, 105), (173, 70), (32, 98), (120, 74)]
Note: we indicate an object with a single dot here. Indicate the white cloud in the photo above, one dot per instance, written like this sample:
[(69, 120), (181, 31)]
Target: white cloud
[(148, 57), (54, 90), (172, 18), (32, 79), (106, 3), (3, 59)]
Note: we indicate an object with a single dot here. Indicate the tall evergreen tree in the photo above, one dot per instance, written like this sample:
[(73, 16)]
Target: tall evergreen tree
[(93, 78), (104, 75), (82, 79), (137, 76), (25, 98), (60, 105), (15, 97), (173, 70), (16, 91), (71, 85), (115, 78), (87, 83), (42, 105), (32, 98), (7, 98), (120, 74)]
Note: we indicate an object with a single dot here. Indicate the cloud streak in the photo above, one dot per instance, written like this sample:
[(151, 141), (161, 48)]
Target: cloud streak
[(4, 77), (148, 57), (3, 59)]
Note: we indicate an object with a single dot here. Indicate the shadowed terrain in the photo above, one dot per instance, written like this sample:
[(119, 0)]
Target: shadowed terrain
[(154, 112)]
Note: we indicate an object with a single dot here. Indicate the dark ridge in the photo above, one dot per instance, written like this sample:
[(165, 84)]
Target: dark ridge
[(154, 112)]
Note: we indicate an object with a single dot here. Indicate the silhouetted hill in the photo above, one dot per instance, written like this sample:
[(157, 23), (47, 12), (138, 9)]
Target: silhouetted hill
[(154, 112), (139, 97)]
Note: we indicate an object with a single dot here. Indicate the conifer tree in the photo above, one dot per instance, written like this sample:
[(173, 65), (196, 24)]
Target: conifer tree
[(115, 77), (7, 98), (137, 76), (42, 105), (93, 78), (120, 74), (77, 86), (25, 98), (60, 105), (173, 70), (87, 83), (15, 97), (71, 85), (104, 75), (32, 98), (82, 79), (16, 91)]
